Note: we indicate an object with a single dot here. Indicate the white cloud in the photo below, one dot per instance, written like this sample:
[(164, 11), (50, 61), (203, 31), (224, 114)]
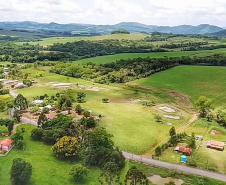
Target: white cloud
[(153, 12)]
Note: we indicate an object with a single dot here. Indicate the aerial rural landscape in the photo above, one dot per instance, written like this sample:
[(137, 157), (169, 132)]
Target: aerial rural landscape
[(111, 104)]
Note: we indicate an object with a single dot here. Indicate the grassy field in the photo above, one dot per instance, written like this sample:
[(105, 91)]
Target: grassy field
[(113, 58), (133, 125), (52, 40), (197, 81)]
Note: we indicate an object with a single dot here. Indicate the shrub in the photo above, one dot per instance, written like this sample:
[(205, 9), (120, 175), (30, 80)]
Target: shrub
[(45, 109), (78, 172), (36, 134)]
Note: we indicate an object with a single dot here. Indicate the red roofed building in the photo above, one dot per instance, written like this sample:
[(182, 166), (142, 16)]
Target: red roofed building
[(215, 145), (183, 150), (6, 144)]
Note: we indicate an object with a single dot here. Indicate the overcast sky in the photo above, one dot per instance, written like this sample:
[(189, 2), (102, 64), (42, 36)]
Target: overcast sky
[(152, 12)]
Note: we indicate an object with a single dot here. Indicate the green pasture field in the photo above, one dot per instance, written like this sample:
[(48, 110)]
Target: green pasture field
[(193, 81), (125, 56), (52, 40)]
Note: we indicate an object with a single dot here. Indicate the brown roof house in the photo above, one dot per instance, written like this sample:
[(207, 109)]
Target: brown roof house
[(217, 145), (183, 150)]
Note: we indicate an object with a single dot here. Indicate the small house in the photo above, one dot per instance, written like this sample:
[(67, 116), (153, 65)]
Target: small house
[(200, 138), (217, 145), (6, 144), (183, 150)]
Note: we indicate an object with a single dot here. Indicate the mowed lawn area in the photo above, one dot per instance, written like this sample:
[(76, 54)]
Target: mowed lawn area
[(125, 56), (193, 81), (47, 169)]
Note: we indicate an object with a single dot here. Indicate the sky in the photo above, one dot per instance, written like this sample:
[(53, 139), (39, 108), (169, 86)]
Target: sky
[(150, 12)]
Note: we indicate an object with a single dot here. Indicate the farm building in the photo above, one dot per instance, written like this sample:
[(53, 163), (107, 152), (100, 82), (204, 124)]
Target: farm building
[(6, 144), (215, 145), (183, 150)]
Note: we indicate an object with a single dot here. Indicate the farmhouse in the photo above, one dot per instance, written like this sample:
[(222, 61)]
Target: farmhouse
[(183, 150), (19, 85), (6, 144), (217, 145)]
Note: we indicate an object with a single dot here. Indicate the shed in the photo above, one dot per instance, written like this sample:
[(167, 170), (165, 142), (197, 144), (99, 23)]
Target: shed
[(200, 138), (183, 158)]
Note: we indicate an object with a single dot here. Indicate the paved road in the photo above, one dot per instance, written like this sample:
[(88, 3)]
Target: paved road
[(181, 168)]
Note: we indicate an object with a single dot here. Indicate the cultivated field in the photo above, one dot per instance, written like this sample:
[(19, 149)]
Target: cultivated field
[(193, 81)]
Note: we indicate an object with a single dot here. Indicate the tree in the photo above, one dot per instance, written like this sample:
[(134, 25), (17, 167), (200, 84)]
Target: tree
[(20, 102), (204, 105), (18, 140), (158, 118), (191, 142), (42, 119), (158, 151), (81, 97), (36, 134), (78, 109), (109, 174), (16, 115), (20, 172), (172, 132), (65, 147), (8, 123), (78, 172), (135, 177), (35, 109), (97, 147)]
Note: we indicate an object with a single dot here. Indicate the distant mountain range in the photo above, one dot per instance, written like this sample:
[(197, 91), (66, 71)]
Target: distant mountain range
[(55, 29)]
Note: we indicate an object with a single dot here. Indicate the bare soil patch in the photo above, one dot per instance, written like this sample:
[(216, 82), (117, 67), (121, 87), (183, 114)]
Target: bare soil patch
[(171, 117), (215, 132), (158, 180), (167, 109)]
